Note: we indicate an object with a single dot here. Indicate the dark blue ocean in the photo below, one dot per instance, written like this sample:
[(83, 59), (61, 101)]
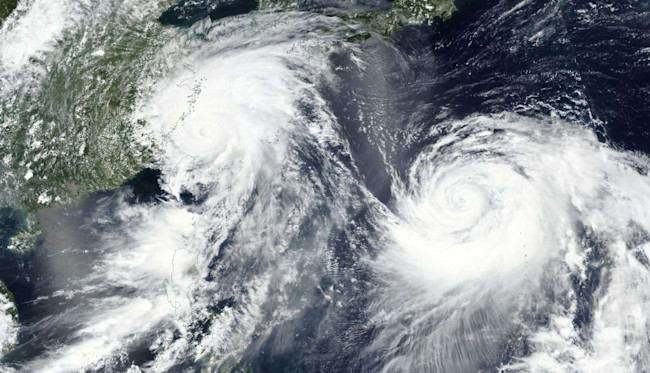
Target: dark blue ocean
[(584, 62)]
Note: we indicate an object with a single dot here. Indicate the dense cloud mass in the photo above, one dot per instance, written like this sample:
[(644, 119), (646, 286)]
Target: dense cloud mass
[(288, 190)]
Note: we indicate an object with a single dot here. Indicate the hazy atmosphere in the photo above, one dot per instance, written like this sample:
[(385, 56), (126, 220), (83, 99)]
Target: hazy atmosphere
[(324, 186)]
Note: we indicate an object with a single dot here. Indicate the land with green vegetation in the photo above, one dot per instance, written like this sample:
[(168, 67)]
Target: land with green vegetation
[(6, 7), (382, 22), (67, 128), (6, 295), (69, 132), (401, 13)]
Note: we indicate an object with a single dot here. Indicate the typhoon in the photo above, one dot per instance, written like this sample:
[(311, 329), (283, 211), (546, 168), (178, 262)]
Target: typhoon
[(324, 186)]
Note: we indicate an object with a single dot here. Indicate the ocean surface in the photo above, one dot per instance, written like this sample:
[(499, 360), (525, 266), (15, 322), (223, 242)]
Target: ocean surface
[(469, 195)]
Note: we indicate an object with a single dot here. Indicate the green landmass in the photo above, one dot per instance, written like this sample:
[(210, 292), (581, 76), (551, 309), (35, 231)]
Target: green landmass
[(5, 293), (401, 13), (70, 131), (6, 7), (383, 22)]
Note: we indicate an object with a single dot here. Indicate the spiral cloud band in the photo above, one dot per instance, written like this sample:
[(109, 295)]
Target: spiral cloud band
[(314, 203), (501, 220)]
